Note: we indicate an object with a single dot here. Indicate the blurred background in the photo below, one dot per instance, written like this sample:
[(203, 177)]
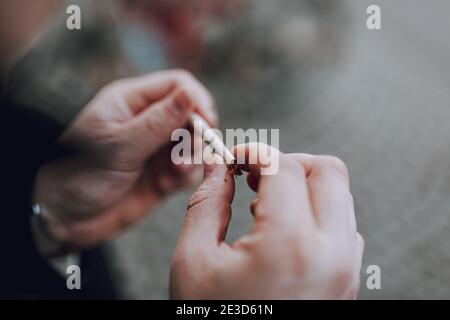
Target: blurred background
[(380, 100)]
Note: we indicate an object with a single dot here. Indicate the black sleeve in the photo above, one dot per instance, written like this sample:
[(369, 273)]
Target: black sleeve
[(27, 139)]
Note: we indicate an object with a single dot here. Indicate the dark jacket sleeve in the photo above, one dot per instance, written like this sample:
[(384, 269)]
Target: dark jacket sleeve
[(28, 138)]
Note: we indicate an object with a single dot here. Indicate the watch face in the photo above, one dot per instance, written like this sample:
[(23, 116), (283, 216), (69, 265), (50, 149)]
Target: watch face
[(98, 134)]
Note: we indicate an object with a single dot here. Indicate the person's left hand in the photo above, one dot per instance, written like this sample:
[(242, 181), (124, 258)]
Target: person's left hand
[(122, 167)]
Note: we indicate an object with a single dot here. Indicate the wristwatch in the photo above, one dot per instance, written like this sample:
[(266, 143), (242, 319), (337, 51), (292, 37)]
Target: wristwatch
[(46, 243), (58, 254)]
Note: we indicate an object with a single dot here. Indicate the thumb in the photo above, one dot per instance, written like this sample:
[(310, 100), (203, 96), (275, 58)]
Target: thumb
[(209, 209), (154, 126)]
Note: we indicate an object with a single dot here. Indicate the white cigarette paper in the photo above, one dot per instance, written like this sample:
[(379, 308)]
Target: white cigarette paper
[(211, 138)]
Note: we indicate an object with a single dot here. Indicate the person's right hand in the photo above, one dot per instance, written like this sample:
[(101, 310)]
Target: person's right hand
[(303, 243)]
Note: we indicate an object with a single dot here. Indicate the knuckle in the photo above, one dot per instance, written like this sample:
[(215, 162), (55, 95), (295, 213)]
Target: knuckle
[(291, 165), (183, 90), (211, 104), (336, 164), (343, 276), (202, 194), (360, 240), (183, 75), (114, 85), (171, 112), (342, 265)]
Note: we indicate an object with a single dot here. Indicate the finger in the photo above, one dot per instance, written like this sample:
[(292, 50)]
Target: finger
[(283, 197), (252, 182), (153, 128), (329, 189), (253, 205), (209, 209), (166, 179), (143, 91)]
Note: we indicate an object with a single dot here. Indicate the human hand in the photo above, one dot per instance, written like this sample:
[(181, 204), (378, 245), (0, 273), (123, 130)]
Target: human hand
[(121, 167), (303, 243)]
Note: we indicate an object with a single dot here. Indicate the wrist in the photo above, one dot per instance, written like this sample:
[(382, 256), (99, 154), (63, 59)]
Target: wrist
[(48, 214), (47, 242), (68, 215)]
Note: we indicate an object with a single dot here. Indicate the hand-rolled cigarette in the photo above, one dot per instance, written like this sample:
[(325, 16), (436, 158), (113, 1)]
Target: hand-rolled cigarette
[(208, 135)]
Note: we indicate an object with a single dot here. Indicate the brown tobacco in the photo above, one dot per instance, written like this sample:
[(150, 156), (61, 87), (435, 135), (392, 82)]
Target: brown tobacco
[(233, 169)]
